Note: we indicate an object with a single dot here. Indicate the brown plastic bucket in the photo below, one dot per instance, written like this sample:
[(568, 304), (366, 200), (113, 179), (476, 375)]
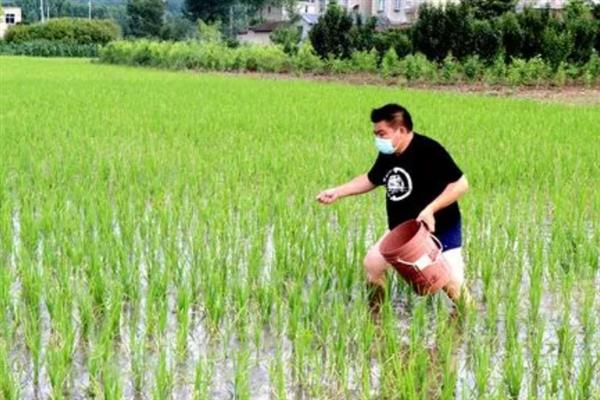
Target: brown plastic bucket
[(417, 255)]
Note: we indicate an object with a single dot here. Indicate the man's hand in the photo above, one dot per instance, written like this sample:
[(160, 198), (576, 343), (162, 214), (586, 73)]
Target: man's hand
[(427, 217), (328, 196)]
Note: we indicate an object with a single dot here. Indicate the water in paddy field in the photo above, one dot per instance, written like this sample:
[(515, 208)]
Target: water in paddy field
[(216, 359)]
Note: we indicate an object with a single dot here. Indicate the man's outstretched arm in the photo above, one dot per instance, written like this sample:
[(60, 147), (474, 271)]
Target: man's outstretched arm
[(360, 184)]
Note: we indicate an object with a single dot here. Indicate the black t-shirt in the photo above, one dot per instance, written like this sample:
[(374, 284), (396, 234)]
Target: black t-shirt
[(414, 179)]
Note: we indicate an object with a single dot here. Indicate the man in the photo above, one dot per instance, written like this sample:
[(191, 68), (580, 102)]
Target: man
[(422, 181)]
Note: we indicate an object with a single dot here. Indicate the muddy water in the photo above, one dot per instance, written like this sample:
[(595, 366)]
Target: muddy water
[(219, 353)]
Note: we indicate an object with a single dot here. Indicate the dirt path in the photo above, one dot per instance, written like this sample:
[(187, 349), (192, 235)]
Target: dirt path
[(577, 95)]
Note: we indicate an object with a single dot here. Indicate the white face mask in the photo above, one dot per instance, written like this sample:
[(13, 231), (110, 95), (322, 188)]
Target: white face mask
[(385, 146)]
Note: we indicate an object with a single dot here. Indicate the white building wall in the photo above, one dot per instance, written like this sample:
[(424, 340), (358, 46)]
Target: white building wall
[(11, 16)]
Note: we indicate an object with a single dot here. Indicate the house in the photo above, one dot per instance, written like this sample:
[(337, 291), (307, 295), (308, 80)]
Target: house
[(11, 16), (259, 34), (554, 6), (389, 14), (276, 16)]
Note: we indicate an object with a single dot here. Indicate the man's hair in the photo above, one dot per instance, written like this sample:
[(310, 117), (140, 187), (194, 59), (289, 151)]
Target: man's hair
[(394, 114)]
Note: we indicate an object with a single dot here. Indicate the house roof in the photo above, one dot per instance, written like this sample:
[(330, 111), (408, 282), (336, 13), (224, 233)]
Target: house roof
[(267, 26)]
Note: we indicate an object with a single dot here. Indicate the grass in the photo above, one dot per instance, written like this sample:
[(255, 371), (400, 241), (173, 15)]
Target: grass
[(159, 234)]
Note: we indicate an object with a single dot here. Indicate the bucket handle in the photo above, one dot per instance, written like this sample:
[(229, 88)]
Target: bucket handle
[(435, 240)]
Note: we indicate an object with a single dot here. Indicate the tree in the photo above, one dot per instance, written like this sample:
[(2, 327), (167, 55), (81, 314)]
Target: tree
[(207, 10), (429, 33), (486, 39), (288, 36), (362, 35), (512, 35), (145, 17), (532, 22), (488, 9), (331, 35), (582, 27)]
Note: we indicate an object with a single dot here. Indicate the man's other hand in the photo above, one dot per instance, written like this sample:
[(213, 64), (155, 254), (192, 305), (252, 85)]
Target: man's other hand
[(427, 217)]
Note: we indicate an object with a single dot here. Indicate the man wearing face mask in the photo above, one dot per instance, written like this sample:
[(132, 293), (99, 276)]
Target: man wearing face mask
[(422, 181)]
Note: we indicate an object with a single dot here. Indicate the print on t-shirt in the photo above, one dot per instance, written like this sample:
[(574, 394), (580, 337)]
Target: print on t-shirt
[(398, 184)]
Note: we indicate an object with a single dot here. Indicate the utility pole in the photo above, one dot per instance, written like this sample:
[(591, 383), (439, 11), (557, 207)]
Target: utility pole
[(42, 10), (231, 21), (89, 9)]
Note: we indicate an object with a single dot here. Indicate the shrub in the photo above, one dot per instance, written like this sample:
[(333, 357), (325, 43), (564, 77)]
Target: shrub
[(487, 39), (397, 39), (288, 37), (472, 68), (417, 68), (183, 55), (496, 72), (532, 23), (390, 64), (429, 33), (450, 69), (118, 52), (66, 30), (363, 35), (592, 67), (528, 72), (364, 61), (307, 60), (49, 48), (263, 59), (560, 75), (338, 66), (557, 44), (331, 34), (512, 35)]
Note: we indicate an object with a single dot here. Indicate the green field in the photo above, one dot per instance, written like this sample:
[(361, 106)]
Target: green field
[(160, 238)]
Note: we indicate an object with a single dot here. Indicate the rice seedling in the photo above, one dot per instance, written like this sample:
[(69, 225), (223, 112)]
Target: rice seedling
[(159, 238)]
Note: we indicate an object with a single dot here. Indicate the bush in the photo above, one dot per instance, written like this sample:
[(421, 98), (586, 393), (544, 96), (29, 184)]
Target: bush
[(511, 34), (363, 35), (177, 28), (66, 30), (209, 32), (48, 48), (288, 37), (307, 60), (417, 68), (331, 35), (390, 64), (528, 72), (364, 61), (394, 38), (532, 23), (496, 73), (487, 39), (118, 52), (183, 55), (450, 69), (429, 33), (557, 44), (592, 67), (560, 75), (263, 59), (472, 68), (338, 66), (583, 32)]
